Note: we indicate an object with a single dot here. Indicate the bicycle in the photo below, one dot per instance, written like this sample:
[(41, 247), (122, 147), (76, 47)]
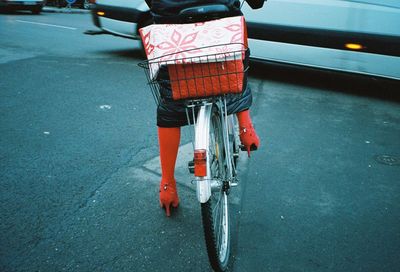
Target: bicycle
[(215, 137)]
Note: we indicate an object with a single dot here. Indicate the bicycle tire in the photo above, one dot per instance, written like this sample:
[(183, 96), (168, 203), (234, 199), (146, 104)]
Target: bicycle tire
[(215, 212)]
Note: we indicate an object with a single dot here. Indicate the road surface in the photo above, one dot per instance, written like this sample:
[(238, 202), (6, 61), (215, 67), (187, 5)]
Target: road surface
[(80, 167)]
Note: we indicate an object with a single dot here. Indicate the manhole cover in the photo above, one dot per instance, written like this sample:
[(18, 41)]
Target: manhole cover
[(388, 159)]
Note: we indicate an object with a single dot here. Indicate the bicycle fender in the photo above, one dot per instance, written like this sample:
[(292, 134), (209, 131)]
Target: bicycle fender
[(202, 129)]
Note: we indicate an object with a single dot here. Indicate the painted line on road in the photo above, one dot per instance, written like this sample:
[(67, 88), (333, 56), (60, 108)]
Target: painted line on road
[(36, 23)]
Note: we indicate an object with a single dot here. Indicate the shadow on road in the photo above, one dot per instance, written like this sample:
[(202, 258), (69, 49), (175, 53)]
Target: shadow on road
[(136, 54), (360, 85)]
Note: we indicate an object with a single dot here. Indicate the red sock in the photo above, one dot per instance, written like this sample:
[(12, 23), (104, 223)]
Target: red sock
[(168, 139)]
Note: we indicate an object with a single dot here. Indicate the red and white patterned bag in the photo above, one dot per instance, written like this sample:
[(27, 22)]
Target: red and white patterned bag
[(185, 48)]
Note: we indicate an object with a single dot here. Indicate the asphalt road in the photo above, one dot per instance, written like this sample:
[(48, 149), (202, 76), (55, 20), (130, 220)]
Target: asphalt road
[(80, 168)]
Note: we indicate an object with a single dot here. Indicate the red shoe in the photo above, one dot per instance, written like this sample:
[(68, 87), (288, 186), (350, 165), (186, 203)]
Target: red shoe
[(168, 196), (249, 139)]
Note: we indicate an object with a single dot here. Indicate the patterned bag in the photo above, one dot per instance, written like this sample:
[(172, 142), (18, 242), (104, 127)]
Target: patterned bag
[(203, 59)]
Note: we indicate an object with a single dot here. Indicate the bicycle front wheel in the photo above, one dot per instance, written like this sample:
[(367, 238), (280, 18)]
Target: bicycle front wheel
[(215, 212)]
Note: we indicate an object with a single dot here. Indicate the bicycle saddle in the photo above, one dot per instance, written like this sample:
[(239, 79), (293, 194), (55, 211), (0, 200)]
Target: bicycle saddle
[(203, 12)]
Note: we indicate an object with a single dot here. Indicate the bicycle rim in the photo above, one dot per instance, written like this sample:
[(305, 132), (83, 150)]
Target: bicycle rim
[(215, 212)]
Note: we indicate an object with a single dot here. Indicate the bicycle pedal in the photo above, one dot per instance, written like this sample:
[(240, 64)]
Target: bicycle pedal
[(191, 166), (234, 184)]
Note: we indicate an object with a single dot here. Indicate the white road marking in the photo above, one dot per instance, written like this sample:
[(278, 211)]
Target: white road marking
[(105, 107), (36, 23)]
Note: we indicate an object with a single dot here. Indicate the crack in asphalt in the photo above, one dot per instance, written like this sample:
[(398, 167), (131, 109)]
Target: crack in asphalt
[(131, 158)]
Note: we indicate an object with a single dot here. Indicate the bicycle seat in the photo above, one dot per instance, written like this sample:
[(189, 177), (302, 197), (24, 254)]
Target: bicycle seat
[(203, 12)]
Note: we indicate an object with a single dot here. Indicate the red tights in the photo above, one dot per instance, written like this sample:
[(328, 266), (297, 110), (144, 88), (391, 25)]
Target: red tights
[(169, 139)]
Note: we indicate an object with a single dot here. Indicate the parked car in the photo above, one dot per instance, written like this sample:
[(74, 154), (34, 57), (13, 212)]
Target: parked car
[(360, 36), (35, 6), (121, 17)]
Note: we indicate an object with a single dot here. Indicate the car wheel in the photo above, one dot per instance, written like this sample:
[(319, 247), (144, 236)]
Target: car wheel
[(37, 10), (86, 4), (61, 3), (4, 10)]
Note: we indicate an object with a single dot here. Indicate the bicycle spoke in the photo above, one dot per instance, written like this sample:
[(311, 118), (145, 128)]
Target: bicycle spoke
[(221, 230), (218, 220)]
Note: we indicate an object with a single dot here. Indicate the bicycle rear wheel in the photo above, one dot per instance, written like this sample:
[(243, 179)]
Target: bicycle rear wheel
[(215, 212)]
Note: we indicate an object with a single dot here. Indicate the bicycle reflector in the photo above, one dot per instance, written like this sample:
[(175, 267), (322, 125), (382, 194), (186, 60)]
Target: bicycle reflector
[(200, 163)]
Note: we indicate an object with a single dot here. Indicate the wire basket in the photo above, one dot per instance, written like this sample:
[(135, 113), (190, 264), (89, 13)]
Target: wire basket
[(197, 74)]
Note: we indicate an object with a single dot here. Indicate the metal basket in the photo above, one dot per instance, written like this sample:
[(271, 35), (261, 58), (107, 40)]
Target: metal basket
[(190, 75)]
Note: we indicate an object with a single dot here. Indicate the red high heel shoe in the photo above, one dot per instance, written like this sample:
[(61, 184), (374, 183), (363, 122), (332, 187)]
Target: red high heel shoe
[(168, 196), (249, 139)]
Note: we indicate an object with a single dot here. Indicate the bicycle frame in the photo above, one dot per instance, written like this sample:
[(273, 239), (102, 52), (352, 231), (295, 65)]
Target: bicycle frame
[(205, 185)]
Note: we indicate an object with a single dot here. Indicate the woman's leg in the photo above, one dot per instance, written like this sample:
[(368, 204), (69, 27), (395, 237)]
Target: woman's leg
[(168, 139), (247, 133)]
